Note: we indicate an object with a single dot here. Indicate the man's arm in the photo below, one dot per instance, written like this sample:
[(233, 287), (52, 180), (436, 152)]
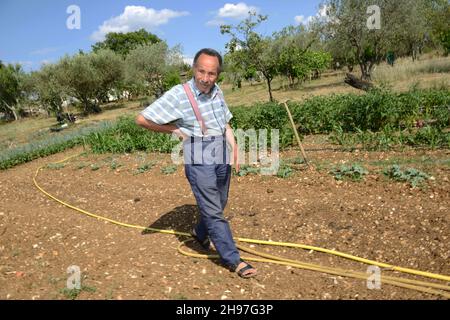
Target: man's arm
[(164, 128), (234, 147)]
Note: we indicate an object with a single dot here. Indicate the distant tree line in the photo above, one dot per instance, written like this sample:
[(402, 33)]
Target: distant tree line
[(134, 64)]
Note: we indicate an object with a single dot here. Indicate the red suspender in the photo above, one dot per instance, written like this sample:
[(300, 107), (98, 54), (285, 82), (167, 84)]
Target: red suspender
[(194, 105)]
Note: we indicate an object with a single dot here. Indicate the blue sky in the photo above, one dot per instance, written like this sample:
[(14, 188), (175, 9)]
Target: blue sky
[(35, 32)]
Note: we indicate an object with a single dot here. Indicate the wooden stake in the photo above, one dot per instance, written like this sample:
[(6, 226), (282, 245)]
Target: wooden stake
[(296, 133)]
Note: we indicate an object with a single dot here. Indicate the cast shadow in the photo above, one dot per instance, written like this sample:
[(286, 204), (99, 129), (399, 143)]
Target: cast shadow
[(183, 219)]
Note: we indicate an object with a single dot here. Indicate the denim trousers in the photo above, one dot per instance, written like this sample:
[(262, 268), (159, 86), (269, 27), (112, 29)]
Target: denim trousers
[(208, 171)]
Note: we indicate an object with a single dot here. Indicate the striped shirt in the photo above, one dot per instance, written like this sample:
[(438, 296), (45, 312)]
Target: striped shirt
[(174, 106)]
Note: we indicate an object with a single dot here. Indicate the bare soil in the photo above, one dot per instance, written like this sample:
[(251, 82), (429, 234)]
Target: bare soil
[(376, 218)]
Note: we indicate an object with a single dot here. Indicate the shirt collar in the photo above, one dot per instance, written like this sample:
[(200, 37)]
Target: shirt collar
[(198, 93)]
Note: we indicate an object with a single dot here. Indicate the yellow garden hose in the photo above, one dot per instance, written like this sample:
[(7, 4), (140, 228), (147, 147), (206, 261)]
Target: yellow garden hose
[(422, 286)]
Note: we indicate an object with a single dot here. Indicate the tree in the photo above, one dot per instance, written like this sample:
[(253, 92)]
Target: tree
[(346, 26), (152, 68), (437, 13), (49, 90), (258, 52), (11, 91), (110, 68), (90, 77), (123, 43), (236, 69)]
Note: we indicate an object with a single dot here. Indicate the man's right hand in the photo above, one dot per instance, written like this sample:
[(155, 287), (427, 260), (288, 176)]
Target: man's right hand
[(180, 134)]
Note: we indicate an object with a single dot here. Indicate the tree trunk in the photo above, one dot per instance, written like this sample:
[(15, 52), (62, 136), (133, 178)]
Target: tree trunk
[(90, 107), (357, 83), (270, 88), (12, 110), (365, 72)]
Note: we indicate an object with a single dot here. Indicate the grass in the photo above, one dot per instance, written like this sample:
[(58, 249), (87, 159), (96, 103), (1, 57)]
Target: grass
[(428, 72), (425, 73)]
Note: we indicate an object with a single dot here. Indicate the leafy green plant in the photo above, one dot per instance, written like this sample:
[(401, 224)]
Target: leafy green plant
[(169, 169), (114, 164), (81, 165), (353, 172), (413, 176), (284, 171), (145, 167), (48, 146), (246, 170), (72, 294)]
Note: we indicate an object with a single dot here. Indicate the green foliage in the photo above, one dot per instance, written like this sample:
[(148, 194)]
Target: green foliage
[(264, 116), (50, 92), (123, 43), (246, 170), (11, 89), (256, 52), (353, 172), (169, 169), (48, 146), (72, 294), (147, 64), (114, 164), (346, 31), (284, 171), (353, 121), (89, 77), (413, 176), (145, 167), (126, 136), (171, 78)]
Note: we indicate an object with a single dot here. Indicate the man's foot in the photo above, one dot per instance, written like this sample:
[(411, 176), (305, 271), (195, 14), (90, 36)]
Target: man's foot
[(205, 244), (245, 270)]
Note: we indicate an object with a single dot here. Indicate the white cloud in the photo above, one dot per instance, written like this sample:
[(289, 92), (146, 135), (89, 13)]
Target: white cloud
[(303, 20), (134, 18), (233, 11), (236, 11), (321, 14)]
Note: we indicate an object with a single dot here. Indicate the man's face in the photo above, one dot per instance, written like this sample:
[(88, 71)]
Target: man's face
[(206, 72)]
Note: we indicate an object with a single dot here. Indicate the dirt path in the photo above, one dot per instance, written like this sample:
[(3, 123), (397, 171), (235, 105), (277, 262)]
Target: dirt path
[(376, 218)]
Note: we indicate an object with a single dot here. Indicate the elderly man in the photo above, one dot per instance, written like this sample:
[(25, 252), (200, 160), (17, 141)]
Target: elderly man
[(197, 113)]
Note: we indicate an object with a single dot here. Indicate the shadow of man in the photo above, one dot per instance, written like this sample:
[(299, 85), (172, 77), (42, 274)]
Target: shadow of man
[(183, 219)]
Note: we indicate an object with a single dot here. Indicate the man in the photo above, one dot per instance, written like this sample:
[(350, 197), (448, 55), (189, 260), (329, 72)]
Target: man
[(196, 112)]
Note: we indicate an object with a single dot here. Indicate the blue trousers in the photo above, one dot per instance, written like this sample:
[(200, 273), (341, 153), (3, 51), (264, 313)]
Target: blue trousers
[(210, 183)]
